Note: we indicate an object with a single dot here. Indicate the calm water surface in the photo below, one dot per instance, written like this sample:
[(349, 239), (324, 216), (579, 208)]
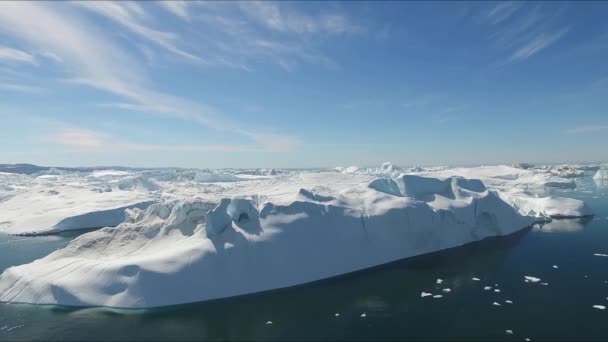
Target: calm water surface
[(389, 297)]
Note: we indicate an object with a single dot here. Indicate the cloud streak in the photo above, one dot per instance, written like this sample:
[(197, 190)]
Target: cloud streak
[(8, 54), (90, 58), (523, 29), (588, 129), (84, 140)]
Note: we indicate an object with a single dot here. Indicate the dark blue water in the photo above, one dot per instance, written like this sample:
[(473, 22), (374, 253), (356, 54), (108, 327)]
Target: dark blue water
[(389, 297)]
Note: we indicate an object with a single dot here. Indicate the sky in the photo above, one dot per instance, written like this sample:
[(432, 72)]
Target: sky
[(302, 84)]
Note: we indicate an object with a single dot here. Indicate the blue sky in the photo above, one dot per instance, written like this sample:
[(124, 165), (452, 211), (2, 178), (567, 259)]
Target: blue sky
[(302, 84)]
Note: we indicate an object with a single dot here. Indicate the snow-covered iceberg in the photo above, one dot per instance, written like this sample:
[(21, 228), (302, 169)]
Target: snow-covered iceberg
[(194, 250), (48, 204)]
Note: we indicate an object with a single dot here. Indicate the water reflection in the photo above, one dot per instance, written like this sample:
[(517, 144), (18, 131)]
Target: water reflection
[(563, 225)]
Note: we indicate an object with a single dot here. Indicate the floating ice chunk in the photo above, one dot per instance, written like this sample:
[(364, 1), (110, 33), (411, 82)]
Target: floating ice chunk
[(487, 288), (447, 290), (336, 315), (545, 284), (509, 332), (599, 307), (438, 296), (555, 266), (496, 290), (364, 315), (532, 279), (601, 175), (527, 339), (269, 322), (496, 304), (425, 294), (600, 255), (475, 279), (439, 281), (508, 301)]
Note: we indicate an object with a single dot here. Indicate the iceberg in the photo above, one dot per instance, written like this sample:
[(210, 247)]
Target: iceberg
[(206, 250), (44, 205), (208, 241), (601, 174)]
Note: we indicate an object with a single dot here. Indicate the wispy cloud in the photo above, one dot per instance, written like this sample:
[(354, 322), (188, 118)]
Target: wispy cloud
[(177, 7), (21, 88), (538, 43), (588, 128), (8, 54), (90, 58), (502, 11), (85, 140), (273, 16), (130, 15), (523, 29)]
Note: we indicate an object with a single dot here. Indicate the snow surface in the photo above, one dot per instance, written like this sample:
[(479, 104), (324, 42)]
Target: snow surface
[(208, 234)]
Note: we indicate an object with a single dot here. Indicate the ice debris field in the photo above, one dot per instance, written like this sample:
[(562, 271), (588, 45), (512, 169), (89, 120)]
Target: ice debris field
[(209, 234)]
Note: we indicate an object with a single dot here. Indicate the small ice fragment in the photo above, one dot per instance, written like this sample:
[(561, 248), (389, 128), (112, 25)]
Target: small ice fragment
[(269, 322), (508, 301), (527, 281), (15, 327), (337, 314), (475, 279), (438, 296), (527, 339), (599, 307), (487, 288), (585, 276), (532, 279), (496, 285), (364, 315), (544, 284), (496, 303), (447, 290), (496, 290), (509, 332), (555, 266), (425, 294), (600, 255), (439, 281)]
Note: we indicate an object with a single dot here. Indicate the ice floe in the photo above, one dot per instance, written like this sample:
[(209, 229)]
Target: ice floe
[(532, 279)]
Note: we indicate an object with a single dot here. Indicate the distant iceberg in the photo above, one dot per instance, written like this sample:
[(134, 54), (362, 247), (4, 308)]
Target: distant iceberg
[(601, 174)]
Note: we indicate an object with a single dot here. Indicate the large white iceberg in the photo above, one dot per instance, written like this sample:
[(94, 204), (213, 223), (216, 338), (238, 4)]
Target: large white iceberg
[(187, 251)]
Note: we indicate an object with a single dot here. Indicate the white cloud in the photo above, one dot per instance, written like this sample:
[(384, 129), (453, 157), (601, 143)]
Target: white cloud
[(273, 16), (177, 7), (588, 128), (9, 54), (502, 11), (84, 140), (524, 29), (91, 59), (130, 15), (537, 44)]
